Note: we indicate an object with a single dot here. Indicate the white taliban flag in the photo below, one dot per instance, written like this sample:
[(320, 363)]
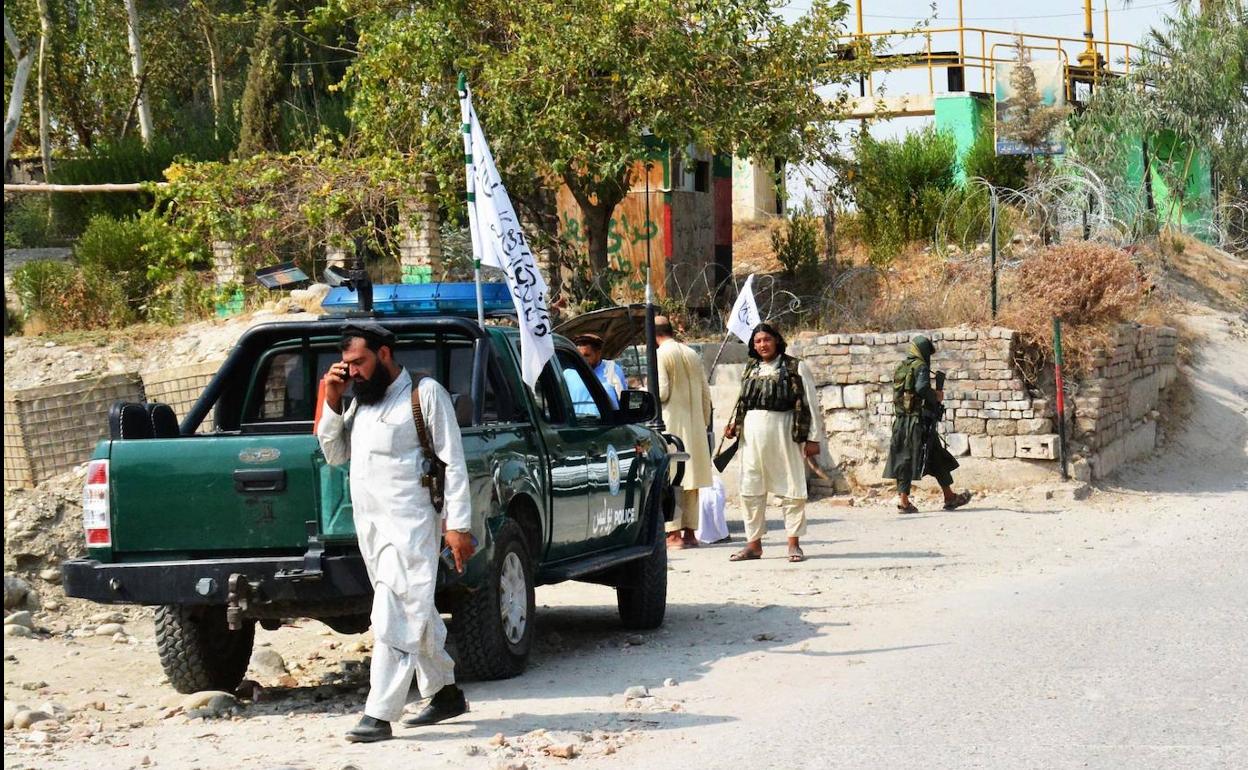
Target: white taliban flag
[(744, 316), (499, 241)]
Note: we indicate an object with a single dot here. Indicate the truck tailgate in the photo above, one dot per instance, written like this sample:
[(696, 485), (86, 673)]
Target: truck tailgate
[(210, 493)]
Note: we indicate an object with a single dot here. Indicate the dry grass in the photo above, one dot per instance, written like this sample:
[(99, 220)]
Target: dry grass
[(1199, 273), (1092, 287), (751, 247)]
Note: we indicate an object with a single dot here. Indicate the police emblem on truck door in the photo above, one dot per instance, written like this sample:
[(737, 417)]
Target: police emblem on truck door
[(613, 470)]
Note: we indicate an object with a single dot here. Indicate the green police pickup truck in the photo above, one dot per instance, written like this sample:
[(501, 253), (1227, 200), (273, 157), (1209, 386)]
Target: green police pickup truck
[(247, 523)]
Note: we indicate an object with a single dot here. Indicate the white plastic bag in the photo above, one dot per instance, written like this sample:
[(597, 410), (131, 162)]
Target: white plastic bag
[(712, 524)]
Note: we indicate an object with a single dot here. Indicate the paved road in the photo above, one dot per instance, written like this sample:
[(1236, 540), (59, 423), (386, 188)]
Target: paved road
[(1012, 634), (1132, 654)]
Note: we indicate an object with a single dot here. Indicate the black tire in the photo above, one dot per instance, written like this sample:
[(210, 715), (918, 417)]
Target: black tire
[(641, 593), (198, 651), (492, 641)]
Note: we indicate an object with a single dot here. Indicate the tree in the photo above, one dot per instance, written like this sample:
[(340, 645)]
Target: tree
[(262, 96), (24, 59), (45, 131), (136, 67), (1191, 82), (566, 89), (206, 21)]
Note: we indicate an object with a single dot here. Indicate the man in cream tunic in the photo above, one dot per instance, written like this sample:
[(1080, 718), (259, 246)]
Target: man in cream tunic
[(396, 525), (686, 398), (779, 421)]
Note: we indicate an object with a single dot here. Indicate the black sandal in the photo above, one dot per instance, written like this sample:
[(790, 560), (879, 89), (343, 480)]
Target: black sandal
[(957, 501), (907, 508)]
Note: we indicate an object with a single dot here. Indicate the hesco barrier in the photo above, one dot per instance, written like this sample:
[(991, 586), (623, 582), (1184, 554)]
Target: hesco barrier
[(180, 387), (52, 428)]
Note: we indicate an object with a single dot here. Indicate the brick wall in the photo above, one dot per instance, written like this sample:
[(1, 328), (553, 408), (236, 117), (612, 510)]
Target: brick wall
[(991, 413), (1115, 407)]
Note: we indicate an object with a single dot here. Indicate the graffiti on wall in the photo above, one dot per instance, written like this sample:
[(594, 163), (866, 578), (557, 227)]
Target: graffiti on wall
[(622, 231)]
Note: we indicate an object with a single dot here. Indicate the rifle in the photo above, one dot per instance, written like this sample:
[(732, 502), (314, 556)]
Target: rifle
[(930, 423)]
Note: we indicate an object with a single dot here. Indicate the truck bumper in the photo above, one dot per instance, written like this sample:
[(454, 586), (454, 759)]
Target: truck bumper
[(206, 581)]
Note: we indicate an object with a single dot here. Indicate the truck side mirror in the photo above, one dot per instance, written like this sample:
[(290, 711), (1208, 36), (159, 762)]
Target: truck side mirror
[(637, 406)]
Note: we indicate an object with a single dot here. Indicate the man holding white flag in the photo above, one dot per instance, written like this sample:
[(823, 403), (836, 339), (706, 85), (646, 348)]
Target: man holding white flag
[(744, 316), (498, 240)]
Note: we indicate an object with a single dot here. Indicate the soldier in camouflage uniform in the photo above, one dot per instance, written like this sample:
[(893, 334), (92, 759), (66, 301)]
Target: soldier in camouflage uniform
[(916, 449)]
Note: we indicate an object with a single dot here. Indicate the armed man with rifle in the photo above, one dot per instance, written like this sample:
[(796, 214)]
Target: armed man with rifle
[(916, 449)]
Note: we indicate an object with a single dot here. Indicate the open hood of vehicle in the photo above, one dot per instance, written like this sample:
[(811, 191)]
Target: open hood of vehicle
[(619, 327)]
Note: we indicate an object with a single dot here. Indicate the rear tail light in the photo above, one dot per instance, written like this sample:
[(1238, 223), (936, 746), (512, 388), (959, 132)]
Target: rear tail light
[(96, 515)]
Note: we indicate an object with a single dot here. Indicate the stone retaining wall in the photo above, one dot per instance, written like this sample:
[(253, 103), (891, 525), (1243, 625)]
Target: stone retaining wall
[(991, 413), (1115, 408)]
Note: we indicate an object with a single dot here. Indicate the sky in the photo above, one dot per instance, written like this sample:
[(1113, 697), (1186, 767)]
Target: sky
[(1128, 23)]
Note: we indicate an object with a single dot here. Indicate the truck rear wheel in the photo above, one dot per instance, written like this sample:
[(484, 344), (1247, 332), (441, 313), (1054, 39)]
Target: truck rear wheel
[(198, 651), (641, 593), (493, 626)]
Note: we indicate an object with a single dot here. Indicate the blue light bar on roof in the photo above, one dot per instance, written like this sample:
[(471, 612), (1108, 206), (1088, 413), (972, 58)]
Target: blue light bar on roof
[(424, 299)]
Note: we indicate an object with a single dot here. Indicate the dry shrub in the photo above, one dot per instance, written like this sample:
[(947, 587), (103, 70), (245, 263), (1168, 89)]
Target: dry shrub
[(1091, 287), (916, 290)]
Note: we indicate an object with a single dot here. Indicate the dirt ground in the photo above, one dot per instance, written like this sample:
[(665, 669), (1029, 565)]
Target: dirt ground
[(764, 663), (738, 640)]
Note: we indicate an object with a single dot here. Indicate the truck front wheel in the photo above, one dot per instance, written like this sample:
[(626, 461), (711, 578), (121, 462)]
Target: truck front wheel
[(493, 626), (198, 651), (641, 593)]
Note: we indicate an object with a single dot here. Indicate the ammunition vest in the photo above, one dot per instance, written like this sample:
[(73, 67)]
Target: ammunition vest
[(781, 392), (905, 398)]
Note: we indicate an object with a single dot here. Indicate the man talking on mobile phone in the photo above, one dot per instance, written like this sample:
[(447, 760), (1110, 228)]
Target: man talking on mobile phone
[(396, 523)]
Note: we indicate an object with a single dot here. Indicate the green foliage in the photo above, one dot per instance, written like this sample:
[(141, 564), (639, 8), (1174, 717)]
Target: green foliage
[(797, 245), (40, 283), (183, 297), (126, 270), (900, 186), (67, 297), (967, 220), (189, 47), (566, 88), (113, 248), (1189, 84), (118, 162), (292, 207), (983, 162), (261, 129), (26, 222)]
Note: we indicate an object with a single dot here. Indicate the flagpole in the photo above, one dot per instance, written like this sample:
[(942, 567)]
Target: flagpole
[(722, 345), (652, 350), (465, 111)]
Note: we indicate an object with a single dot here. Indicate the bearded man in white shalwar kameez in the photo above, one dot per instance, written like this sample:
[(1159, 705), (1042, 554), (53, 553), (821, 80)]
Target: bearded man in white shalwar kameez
[(396, 524)]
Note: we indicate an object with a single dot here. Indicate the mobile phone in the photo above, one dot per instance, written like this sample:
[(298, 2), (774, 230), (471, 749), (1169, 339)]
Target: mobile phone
[(448, 556)]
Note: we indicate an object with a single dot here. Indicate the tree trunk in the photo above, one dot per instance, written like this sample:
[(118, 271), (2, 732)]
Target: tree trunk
[(261, 128), (597, 206), (45, 132), (215, 83), (136, 68), (17, 95), (597, 232)]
